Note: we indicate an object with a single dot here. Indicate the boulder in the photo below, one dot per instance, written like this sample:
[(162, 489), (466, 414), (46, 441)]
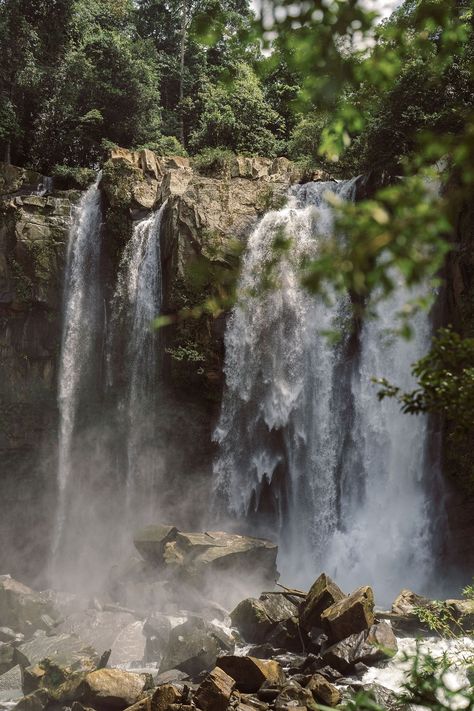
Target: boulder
[(118, 631), (23, 609), (250, 673), (114, 689), (215, 691), (193, 647), (150, 542), (368, 647), (323, 593), (65, 650), (36, 701), (323, 691), (164, 696), (11, 685), (293, 694), (463, 613), (350, 615), (406, 602), (157, 629), (7, 657), (251, 619)]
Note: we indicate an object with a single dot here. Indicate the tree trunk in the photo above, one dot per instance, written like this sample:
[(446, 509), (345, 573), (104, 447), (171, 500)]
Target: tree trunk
[(182, 52)]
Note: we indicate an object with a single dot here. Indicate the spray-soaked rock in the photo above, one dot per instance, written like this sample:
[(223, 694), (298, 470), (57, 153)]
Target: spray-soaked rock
[(293, 694), (113, 689), (350, 615), (368, 647), (66, 650), (7, 657), (194, 646), (23, 609), (257, 619), (11, 685), (164, 696), (323, 593), (151, 541), (250, 673), (215, 691), (323, 691)]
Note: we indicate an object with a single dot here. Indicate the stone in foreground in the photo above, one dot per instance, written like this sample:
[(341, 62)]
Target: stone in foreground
[(112, 689), (351, 615), (250, 673), (323, 593), (215, 691), (368, 647), (323, 691)]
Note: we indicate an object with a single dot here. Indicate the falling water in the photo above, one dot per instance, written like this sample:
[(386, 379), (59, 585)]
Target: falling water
[(81, 323), (307, 454), (136, 302)]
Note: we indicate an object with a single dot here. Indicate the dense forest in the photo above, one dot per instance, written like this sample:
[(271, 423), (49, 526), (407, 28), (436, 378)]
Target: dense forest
[(78, 76)]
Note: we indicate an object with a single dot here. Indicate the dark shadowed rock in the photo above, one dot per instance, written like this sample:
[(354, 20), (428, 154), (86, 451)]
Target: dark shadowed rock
[(36, 701), (368, 647), (193, 647), (215, 691), (323, 593), (350, 615), (11, 685), (323, 691), (251, 619), (113, 689), (293, 694), (164, 696), (7, 657), (250, 673)]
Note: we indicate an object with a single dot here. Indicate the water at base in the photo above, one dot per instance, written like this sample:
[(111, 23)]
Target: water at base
[(81, 324), (307, 455)]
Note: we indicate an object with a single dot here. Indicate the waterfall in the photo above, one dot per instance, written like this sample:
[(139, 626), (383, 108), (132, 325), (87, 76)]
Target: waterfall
[(307, 454), (80, 331), (136, 302)]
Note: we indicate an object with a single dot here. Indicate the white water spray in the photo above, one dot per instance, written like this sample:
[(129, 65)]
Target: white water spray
[(307, 454)]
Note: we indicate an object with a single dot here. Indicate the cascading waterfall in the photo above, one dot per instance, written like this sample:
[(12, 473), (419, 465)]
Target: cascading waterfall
[(81, 325), (306, 451), (136, 302)]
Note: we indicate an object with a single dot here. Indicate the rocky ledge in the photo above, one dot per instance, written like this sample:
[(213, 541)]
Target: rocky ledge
[(182, 651)]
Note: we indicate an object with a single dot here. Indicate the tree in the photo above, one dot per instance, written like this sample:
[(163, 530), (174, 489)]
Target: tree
[(236, 116)]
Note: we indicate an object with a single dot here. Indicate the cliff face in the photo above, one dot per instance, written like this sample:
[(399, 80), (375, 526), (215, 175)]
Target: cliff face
[(204, 216)]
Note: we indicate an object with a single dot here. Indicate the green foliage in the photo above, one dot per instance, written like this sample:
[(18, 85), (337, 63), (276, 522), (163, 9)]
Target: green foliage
[(213, 161), (165, 146), (67, 177), (236, 116)]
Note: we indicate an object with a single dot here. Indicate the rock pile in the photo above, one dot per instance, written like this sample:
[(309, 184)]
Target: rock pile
[(279, 651)]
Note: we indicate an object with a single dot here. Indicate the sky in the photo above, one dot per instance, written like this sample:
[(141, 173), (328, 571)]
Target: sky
[(384, 7)]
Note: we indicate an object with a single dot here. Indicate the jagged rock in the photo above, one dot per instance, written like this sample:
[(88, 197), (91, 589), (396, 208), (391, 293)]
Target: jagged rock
[(22, 608), (250, 673), (164, 695), (112, 689), (214, 693), (287, 635), (151, 541), (193, 647), (11, 685), (7, 657), (157, 629), (36, 701), (13, 179), (323, 593), (8, 635), (406, 602), (171, 676), (349, 615), (293, 694), (66, 650), (118, 631), (323, 691), (251, 619), (463, 613), (257, 619), (369, 647)]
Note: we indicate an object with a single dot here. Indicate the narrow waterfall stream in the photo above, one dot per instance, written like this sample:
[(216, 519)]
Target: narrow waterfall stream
[(136, 302), (306, 452), (81, 326)]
